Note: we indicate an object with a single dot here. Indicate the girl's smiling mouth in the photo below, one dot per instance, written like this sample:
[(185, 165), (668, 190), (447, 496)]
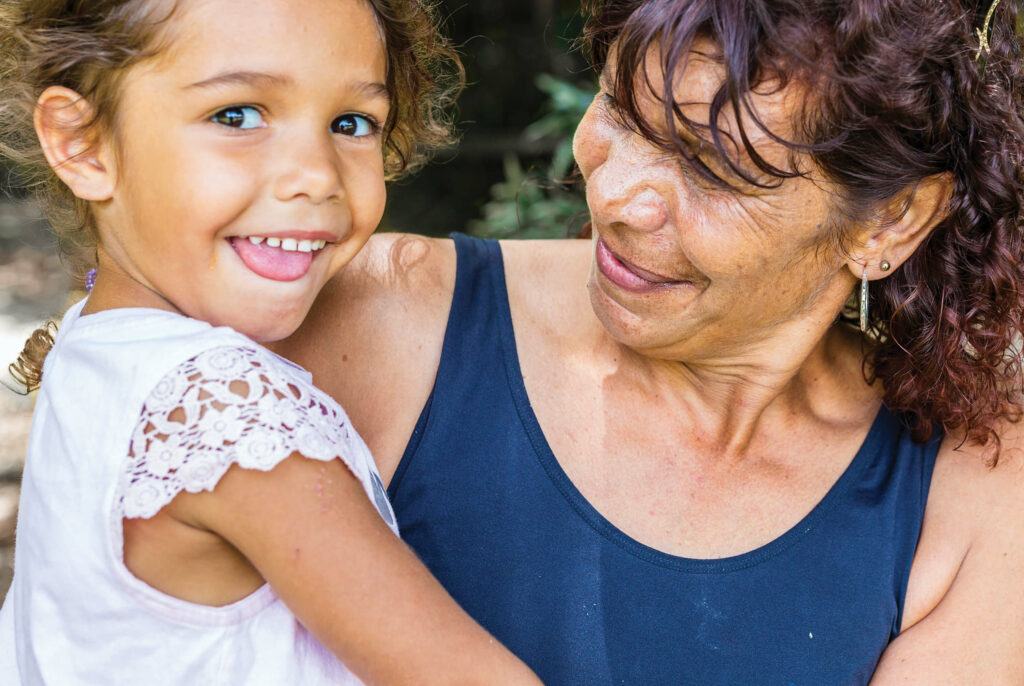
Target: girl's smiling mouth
[(279, 258)]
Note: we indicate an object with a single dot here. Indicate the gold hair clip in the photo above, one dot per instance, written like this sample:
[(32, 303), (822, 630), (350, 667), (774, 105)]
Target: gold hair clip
[(984, 32)]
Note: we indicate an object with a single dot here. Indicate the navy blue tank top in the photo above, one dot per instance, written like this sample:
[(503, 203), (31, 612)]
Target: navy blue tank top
[(484, 502)]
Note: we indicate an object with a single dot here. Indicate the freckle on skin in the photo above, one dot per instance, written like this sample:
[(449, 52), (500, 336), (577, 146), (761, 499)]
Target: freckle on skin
[(344, 358)]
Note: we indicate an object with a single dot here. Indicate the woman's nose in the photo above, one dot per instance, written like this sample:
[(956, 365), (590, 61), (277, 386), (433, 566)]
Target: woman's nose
[(623, 179), (625, 191), (311, 169)]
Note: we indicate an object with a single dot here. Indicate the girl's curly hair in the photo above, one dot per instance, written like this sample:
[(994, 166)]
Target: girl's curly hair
[(87, 46), (897, 91)]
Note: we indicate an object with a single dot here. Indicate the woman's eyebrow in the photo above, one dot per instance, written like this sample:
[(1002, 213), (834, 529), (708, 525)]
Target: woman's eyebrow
[(700, 148)]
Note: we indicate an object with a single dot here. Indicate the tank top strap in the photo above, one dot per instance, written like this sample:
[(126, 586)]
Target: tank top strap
[(479, 306), (896, 481), (473, 356)]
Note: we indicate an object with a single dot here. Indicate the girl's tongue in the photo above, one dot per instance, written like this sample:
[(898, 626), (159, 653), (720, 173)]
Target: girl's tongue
[(273, 263)]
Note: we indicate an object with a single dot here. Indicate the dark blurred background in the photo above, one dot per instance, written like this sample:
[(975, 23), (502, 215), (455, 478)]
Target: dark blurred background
[(527, 87), (507, 46)]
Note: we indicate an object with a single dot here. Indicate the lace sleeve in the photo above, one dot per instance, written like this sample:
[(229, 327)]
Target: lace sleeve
[(228, 405)]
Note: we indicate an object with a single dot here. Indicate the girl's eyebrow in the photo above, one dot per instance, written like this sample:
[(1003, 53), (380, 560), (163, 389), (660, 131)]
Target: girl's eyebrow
[(242, 78), (258, 79)]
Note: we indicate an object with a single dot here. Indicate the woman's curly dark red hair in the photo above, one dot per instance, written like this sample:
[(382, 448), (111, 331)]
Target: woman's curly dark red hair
[(897, 93)]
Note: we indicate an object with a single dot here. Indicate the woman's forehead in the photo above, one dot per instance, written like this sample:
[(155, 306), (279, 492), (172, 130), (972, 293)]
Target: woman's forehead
[(768, 112)]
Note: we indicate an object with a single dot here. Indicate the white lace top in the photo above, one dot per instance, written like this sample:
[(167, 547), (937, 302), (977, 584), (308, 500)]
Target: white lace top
[(137, 406), (240, 405)]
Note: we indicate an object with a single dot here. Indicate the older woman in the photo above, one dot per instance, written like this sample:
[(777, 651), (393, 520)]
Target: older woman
[(664, 455)]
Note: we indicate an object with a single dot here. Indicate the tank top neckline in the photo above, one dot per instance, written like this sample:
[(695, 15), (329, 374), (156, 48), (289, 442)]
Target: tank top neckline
[(881, 426)]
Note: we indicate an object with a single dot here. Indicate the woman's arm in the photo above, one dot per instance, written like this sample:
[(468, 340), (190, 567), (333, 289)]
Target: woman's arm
[(310, 530), (373, 338), (966, 597)]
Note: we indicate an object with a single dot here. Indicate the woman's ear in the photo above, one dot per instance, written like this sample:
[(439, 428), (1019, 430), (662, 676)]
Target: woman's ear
[(894, 242), (73, 149)]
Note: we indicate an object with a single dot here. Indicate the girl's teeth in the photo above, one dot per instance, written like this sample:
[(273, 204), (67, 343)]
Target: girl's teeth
[(289, 244)]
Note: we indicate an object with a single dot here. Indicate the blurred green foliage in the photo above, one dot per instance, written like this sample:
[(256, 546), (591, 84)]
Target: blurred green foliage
[(544, 199)]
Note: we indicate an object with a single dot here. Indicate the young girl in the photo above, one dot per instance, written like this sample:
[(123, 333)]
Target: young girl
[(191, 504)]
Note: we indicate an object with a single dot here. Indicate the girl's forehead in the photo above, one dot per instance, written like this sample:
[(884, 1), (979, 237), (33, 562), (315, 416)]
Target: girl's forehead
[(293, 35)]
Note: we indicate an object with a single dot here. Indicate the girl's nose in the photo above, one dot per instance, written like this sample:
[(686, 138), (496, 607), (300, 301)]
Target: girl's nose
[(311, 170)]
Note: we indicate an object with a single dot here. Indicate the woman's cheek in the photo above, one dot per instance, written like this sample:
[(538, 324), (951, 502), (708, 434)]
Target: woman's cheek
[(590, 144)]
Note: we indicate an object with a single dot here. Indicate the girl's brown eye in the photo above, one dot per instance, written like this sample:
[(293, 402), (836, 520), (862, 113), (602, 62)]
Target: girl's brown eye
[(239, 117), (354, 125)]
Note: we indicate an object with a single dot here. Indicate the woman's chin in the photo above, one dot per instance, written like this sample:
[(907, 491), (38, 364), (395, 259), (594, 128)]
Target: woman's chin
[(641, 329)]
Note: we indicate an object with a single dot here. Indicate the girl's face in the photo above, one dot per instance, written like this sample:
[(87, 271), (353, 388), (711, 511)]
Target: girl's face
[(248, 164)]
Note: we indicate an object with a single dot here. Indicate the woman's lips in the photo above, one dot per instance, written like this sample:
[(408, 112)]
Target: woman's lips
[(628, 276)]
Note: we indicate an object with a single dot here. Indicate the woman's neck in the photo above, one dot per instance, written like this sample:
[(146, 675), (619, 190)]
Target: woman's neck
[(801, 368)]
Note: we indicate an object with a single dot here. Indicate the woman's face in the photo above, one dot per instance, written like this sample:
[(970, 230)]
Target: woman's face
[(683, 268)]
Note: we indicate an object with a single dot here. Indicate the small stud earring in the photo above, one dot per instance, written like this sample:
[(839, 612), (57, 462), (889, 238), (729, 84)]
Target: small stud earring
[(885, 266)]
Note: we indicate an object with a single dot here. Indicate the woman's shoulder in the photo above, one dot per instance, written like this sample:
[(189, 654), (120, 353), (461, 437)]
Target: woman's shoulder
[(373, 338), (965, 585), (548, 260), (981, 486), (390, 263), (547, 292), (414, 275), (394, 293)]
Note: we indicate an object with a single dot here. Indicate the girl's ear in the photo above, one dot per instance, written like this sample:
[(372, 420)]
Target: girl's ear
[(73, 148)]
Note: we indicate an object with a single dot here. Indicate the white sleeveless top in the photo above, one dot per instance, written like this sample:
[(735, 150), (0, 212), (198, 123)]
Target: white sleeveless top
[(101, 449)]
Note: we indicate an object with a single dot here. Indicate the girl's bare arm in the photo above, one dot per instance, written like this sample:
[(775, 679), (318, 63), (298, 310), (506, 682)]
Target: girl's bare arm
[(310, 530)]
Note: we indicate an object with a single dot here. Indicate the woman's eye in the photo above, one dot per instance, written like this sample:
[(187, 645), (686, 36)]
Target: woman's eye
[(353, 125), (239, 117), (611, 108)]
